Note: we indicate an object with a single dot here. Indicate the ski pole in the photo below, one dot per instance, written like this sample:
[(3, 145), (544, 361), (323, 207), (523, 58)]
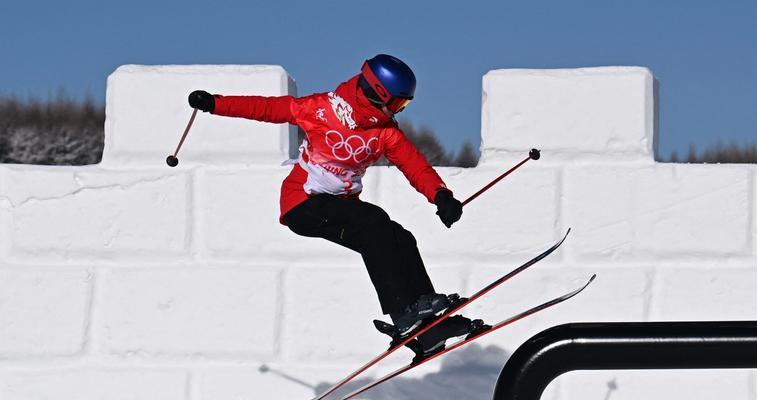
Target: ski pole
[(532, 155), (171, 160)]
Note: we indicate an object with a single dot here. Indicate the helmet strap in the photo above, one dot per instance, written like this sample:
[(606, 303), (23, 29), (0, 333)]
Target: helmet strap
[(375, 84), (369, 93)]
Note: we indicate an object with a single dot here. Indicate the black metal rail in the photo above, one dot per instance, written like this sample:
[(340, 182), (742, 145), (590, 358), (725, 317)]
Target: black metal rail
[(625, 345)]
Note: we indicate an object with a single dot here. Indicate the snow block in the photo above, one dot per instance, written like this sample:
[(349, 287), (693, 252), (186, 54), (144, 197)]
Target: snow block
[(219, 313), (147, 112), (240, 218), (273, 382), (42, 313), (658, 212), (704, 294), (60, 214), (5, 235), (615, 293), (90, 384), (602, 114), (516, 216), (753, 216), (329, 312), (5, 216)]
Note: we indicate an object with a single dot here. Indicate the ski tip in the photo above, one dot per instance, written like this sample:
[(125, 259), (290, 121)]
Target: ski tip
[(594, 276), (563, 238), (580, 289)]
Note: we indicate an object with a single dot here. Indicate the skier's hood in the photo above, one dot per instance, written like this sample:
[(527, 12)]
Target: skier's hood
[(364, 113)]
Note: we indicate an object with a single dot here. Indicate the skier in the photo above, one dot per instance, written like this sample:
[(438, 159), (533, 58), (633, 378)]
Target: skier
[(346, 131)]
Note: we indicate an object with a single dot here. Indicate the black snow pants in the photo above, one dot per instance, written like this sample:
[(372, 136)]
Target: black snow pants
[(389, 251)]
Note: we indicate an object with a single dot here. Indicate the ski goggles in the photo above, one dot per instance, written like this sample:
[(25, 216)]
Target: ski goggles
[(377, 93), (397, 104)]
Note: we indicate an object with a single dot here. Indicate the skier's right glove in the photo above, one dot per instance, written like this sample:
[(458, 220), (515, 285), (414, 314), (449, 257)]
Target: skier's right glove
[(202, 101), (449, 209)]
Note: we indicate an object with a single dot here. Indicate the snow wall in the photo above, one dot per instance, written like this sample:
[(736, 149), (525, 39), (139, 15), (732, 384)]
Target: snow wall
[(132, 280)]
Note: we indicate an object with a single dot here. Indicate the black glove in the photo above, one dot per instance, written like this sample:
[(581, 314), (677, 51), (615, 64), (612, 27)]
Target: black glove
[(449, 209), (202, 101)]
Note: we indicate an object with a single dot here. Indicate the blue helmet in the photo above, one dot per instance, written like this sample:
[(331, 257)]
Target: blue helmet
[(388, 80)]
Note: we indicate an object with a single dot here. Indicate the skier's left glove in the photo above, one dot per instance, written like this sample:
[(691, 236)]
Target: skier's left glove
[(448, 208), (202, 101)]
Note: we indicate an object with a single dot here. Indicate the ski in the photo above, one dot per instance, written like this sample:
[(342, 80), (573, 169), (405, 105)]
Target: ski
[(395, 345), (471, 338)]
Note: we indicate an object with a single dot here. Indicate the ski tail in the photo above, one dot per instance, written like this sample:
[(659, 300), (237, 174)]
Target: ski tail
[(469, 339), (397, 344)]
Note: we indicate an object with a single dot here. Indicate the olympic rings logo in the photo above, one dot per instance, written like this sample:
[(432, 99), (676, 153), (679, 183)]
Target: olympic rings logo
[(353, 147)]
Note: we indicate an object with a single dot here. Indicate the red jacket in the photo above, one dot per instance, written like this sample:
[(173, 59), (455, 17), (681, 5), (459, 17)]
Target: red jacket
[(345, 135)]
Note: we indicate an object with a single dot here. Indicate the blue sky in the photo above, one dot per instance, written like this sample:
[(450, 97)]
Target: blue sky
[(704, 53)]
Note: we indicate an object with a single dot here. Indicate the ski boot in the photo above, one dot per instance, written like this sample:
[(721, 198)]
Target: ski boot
[(427, 306), (433, 341), (417, 315)]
